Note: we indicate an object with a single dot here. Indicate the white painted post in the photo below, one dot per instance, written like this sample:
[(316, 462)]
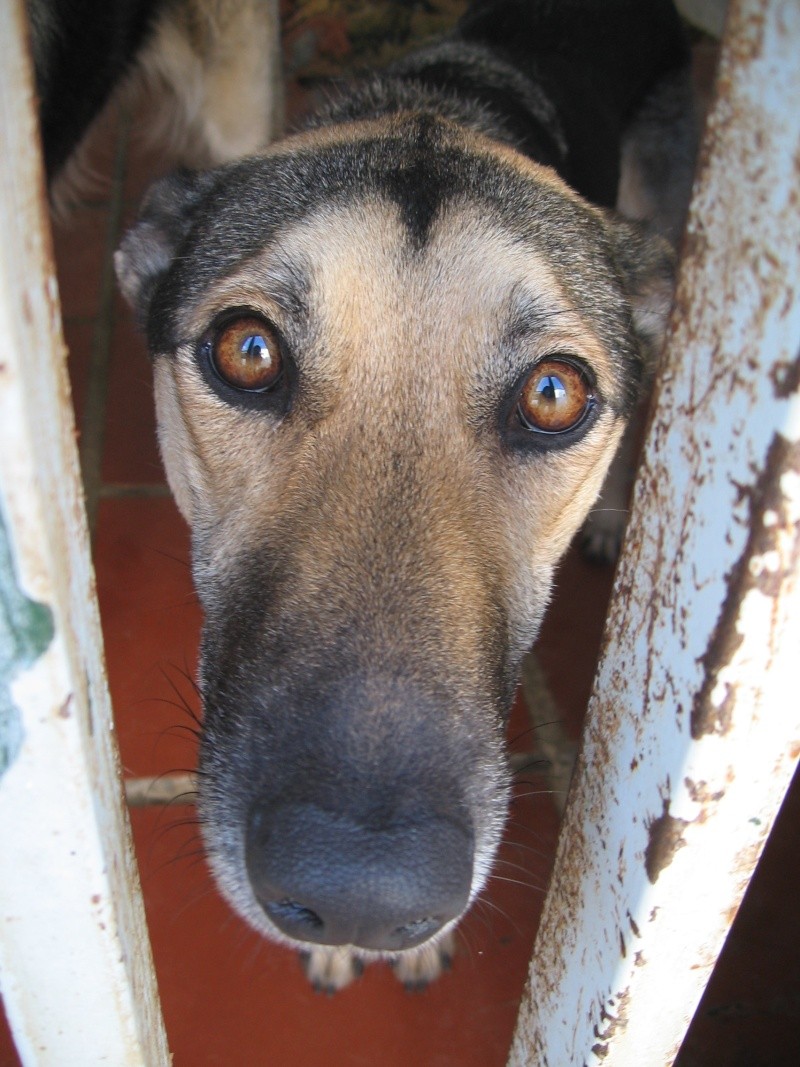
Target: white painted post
[(75, 964), (693, 730)]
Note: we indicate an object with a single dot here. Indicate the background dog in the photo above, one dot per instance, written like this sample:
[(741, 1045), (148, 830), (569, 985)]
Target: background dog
[(394, 356), (210, 68)]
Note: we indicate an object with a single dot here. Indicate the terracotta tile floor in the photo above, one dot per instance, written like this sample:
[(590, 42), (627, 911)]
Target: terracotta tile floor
[(229, 998)]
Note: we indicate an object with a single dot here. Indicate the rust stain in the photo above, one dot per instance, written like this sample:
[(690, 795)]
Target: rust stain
[(701, 794), (730, 915), (705, 797), (621, 865), (745, 36), (747, 859), (665, 838), (764, 496), (618, 1023)]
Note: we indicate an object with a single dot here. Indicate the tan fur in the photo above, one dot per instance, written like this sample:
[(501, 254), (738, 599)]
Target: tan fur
[(196, 74), (375, 534), (212, 69), (393, 359)]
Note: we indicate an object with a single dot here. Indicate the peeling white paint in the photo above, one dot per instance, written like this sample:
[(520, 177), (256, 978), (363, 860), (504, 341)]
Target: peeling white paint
[(688, 743), (75, 964)]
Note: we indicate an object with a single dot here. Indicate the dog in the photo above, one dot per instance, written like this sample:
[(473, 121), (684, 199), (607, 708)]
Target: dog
[(394, 355), (199, 63)]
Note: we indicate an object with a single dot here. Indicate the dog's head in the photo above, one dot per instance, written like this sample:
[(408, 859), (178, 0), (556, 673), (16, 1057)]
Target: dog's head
[(393, 362)]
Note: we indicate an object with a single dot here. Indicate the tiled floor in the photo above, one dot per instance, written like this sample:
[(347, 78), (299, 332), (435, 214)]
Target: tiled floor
[(229, 998)]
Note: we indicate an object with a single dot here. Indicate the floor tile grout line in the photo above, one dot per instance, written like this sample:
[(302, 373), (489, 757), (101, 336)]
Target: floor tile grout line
[(93, 422)]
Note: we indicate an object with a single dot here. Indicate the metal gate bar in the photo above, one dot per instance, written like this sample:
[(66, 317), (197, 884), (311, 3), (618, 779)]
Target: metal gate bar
[(75, 964), (693, 730)]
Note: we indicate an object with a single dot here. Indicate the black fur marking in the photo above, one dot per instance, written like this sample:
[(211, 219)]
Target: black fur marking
[(522, 128), (421, 179)]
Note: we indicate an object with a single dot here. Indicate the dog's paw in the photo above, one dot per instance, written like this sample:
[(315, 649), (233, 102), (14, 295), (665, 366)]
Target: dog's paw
[(419, 968), (331, 969)]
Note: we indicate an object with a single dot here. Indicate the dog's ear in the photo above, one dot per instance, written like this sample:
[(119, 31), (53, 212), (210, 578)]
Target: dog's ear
[(647, 265), (150, 246)]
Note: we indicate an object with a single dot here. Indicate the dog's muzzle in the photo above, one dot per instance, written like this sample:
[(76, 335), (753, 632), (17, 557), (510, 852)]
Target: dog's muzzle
[(353, 779), (326, 878)]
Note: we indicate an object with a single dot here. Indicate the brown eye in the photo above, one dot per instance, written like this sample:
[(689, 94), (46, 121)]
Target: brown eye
[(556, 397), (246, 354)]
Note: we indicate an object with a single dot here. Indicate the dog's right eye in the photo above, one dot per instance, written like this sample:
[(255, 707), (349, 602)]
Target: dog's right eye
[(556, 398), (245, 352)]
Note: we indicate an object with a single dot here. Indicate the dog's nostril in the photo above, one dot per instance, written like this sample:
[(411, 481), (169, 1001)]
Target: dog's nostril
[(325, 878), (288, 913)]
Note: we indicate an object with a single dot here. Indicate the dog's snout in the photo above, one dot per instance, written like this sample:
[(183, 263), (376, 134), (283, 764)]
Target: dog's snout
[(324, 877)]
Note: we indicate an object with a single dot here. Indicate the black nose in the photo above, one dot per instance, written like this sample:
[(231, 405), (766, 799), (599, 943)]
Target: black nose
[(322, 877)]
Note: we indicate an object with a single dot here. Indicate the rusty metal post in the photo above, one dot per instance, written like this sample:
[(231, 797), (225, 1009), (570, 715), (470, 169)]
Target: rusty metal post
[(693, 730), (75, 964)]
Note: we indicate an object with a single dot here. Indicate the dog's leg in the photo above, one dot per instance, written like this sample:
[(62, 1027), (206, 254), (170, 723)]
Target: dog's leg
[(214, 70)]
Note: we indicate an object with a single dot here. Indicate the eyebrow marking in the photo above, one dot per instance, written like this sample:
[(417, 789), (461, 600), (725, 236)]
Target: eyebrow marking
[(534, 314)]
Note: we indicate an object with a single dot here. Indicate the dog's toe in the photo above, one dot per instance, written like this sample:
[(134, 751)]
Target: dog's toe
[(416, 970), (331, 969)]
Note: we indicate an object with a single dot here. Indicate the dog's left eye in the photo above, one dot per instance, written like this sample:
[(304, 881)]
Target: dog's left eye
[(246, 354), (556, 397)]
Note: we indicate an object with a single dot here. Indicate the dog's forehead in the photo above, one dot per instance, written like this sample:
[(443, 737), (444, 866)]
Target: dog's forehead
[(355, 293), (358, 255), (424, 168)]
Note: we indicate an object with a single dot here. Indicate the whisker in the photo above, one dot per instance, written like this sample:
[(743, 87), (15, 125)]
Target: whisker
[(528, 848), (183, 703), (533, 728), (537, 793), (506, 863), (495, 907)]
